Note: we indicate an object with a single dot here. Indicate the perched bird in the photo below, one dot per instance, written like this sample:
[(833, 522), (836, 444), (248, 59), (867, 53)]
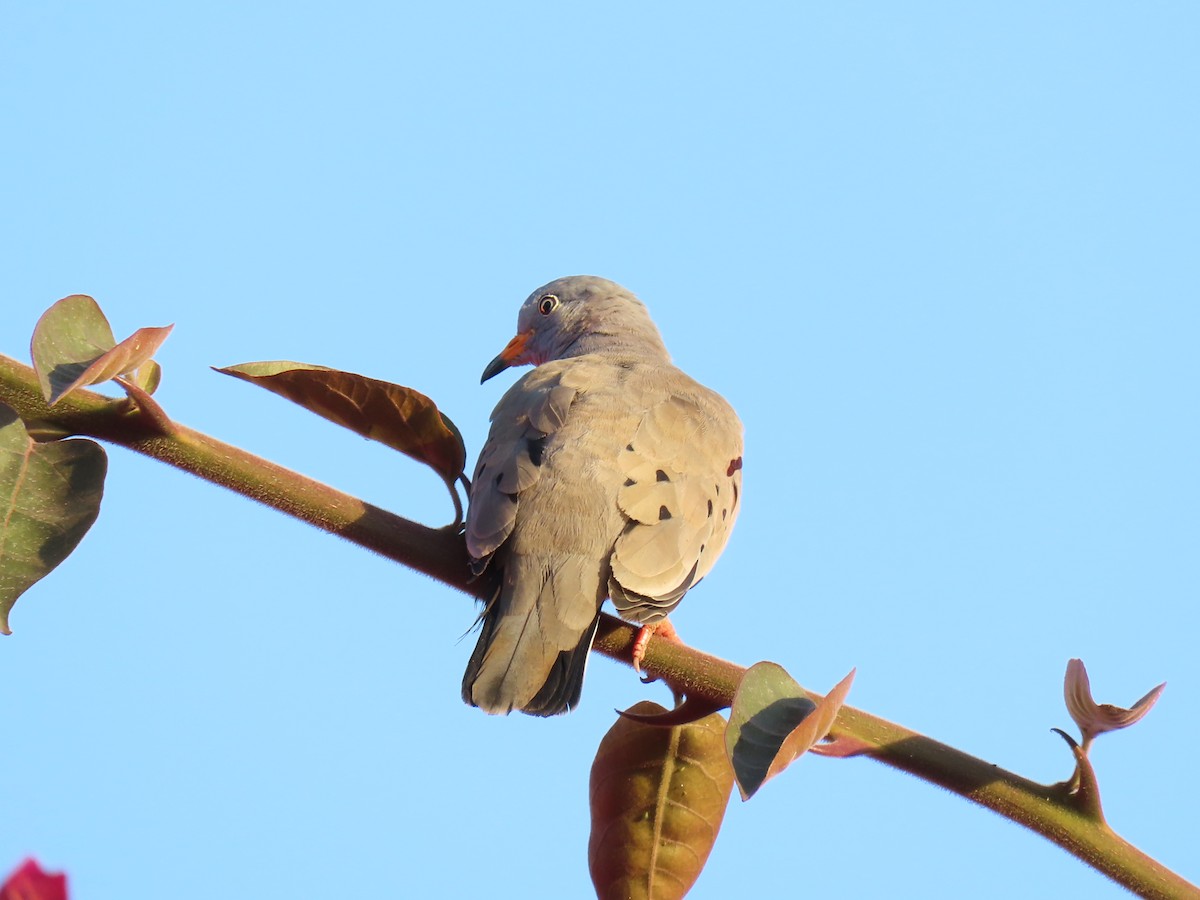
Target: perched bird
[(607, 472)]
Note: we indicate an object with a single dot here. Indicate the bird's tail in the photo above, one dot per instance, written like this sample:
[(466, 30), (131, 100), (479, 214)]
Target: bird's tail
[(532, 651)]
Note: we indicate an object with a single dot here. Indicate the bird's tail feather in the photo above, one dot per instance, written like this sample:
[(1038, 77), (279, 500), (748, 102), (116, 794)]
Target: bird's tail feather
[(527, 658)]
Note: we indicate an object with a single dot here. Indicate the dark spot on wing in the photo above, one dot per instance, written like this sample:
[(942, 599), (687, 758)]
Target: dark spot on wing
[(536, 448), (663, 514)]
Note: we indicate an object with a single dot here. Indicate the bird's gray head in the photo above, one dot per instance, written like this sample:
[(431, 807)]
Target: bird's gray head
[(576, 315)]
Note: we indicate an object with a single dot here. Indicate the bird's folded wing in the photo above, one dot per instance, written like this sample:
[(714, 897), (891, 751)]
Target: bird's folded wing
[(681, 491), (511, 460)]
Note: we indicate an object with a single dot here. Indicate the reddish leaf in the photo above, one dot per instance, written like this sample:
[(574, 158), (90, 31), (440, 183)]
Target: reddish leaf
[(813, 729), (31, 882), (49, 497), (1095, 718), (399, 417), (658, 796), (125, 358), (73, 346)]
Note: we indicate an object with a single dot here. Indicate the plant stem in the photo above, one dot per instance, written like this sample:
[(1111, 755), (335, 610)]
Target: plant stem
[(441, 554)]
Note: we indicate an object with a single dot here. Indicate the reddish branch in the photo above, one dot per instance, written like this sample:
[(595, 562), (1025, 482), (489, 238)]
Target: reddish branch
[(440, 553)]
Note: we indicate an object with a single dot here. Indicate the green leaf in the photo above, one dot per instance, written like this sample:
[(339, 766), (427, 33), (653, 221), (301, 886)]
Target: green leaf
[(148, 377), (658, 796), (773, 721), (767, 706), (69, 337), (396, 416), (51, 497), (73, 346)]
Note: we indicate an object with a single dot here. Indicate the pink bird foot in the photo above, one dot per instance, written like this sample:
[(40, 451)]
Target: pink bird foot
[(663, 629)]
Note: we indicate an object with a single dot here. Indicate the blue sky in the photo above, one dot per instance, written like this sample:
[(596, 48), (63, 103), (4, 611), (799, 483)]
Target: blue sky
[(942, 259)]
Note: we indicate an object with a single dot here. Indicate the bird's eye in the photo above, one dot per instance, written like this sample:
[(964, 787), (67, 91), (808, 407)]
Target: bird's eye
[(547, 304)]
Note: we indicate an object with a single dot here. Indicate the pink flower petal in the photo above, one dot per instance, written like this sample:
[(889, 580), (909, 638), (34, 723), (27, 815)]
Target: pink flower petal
[(31, 882)]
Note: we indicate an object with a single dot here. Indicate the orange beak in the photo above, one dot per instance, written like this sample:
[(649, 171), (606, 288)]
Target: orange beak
[(509, 356)]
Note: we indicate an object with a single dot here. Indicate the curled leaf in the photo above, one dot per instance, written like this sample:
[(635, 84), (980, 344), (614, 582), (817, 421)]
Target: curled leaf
[(692, 709), (1095, 718), (73, 346), (773, 721), (397, 416), (31, 882), (658, 796), (813, 729), (51, 496)]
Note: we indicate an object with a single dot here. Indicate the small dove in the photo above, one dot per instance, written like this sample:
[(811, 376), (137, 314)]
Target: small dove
[(607, 473)]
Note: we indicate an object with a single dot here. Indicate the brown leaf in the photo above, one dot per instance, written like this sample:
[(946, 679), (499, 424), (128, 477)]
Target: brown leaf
[(399, 417), (658, 796)]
